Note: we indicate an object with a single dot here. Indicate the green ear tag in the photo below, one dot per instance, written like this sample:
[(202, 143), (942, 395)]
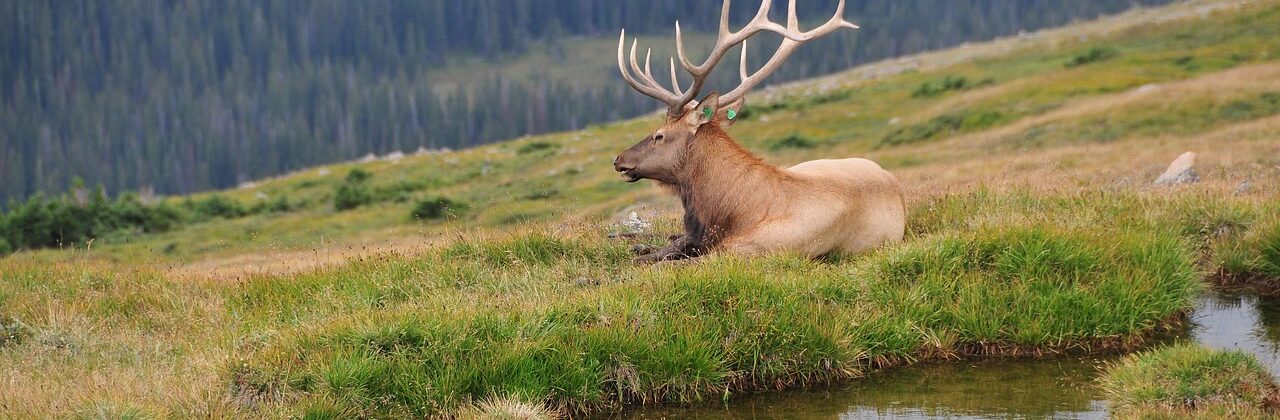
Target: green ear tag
[(732, 114), (707, 112)]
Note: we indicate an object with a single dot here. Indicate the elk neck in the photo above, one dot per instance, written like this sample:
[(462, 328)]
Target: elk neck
[(726, 189)]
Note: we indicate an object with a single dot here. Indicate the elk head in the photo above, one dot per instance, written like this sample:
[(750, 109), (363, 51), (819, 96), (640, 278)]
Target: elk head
[(660, 155)]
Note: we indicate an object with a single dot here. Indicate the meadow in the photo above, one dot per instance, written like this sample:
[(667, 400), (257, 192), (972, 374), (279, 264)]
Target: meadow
[(486, 280)]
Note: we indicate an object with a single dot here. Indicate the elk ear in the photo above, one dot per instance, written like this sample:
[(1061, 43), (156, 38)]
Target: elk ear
[(731, 113), (705, 112)]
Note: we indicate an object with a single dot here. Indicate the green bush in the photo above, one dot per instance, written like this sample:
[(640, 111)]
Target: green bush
[(280, 204), (217, 206), (1093, 55), (943, 125), (436, 208), (76, 217), (947, 84), (354, 191), (536, 147), (793, 141)]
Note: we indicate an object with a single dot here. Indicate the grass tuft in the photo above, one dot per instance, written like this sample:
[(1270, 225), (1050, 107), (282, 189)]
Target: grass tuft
[(1189, 380)]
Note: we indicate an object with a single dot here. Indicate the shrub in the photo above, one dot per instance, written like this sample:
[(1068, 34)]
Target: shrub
[(1093, 55), (43, 222), (793, 141), (942, 125), (354, 191), (947, 84), (536, 147), (280, 204), (217, 205), (436, 208)]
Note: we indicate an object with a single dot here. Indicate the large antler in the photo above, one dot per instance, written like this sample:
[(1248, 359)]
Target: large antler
[(677, 99)]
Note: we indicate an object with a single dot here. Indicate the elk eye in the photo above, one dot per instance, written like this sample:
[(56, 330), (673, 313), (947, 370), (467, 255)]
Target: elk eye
[(658, 137)]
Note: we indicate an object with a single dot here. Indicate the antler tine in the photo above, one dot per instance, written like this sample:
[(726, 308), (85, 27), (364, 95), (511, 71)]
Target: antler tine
[(675, 81), (646, 85), (726, 40), (792, 38)]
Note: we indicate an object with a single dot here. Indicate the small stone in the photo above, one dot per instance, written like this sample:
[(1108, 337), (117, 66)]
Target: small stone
[(585, 281), (1244, 187), (634, 224), (1181, 171), (641, 249)]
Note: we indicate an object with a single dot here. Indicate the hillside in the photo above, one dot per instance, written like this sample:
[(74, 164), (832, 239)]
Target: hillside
[(485, 279), (182, 97)]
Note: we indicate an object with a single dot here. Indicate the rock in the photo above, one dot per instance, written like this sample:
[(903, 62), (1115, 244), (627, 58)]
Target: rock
[(1244, 187), (585, 281), (894, 121), (1181, 171), (324, 172), (634, 224), (260, 195)]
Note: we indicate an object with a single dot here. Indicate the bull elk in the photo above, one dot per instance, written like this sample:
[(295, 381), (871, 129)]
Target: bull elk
[(733, 201)]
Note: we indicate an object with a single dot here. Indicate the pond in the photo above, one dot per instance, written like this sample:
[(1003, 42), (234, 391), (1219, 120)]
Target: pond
[(1057, 387)]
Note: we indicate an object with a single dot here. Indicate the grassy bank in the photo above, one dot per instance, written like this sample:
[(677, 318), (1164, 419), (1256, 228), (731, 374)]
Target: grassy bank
[(1189, 381), (686, 334)]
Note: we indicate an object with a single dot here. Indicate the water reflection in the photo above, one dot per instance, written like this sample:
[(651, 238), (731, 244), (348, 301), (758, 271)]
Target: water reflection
[(1240, 322), (1056, 388)]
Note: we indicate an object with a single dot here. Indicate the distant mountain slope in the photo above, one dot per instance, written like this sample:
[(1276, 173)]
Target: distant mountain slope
[(188, 96)]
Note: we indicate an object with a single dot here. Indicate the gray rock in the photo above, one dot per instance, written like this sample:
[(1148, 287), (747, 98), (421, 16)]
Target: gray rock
[(1181, 171), (1244, 187)]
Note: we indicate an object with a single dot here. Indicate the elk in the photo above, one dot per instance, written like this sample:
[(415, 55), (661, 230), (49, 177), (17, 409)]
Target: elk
[(733, 201)]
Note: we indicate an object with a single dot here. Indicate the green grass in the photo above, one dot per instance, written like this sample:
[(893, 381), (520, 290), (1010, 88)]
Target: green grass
[(528, 331), (1190, 381)]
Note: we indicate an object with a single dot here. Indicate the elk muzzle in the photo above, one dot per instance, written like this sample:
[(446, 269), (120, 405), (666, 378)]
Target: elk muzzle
[(627, 169)]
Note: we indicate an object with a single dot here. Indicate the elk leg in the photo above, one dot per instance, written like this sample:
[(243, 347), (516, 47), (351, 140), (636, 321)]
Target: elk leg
[(679, 248)]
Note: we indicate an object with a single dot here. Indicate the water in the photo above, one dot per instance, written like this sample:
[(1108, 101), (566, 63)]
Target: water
[(1052, 388)]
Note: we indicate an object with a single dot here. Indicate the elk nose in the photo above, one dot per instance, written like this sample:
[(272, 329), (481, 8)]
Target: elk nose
[(618, 167)]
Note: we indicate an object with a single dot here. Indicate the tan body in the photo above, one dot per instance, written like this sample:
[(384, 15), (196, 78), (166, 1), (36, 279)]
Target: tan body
[(830, 205)]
